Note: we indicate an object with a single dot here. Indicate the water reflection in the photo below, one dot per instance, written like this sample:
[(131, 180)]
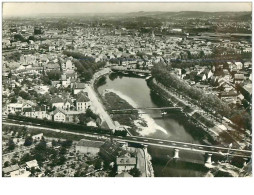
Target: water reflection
[(175, 124)]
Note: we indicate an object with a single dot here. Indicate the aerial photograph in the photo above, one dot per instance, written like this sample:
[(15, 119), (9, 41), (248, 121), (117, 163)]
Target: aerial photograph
[(115, 89)]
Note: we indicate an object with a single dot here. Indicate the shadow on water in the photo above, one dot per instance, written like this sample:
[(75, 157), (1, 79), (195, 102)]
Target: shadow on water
[(165, 166)]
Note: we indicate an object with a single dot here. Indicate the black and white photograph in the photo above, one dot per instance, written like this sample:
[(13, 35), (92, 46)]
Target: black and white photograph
[(126, 89)]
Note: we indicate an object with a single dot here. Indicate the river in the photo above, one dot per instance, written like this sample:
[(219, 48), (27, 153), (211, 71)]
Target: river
[(172, 127)]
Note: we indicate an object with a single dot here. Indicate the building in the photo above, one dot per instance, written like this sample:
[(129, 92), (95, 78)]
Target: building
[(110, 150), (38, 136), (78, 87), (83, 103), (239, 78), (69, 65), (57, 102), (14, 107), (35, 112), (59, 115), (125, 163), (67, 104), (8, 171), (32, 164), (87, 146)]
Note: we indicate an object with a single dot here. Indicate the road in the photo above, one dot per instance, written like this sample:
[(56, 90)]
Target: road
[(157, 142), (97, 105)]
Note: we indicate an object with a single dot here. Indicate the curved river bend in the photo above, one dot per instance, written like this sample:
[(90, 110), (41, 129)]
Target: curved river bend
[(136, 92)]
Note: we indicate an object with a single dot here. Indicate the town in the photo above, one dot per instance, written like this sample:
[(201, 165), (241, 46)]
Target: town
[(56, 122)]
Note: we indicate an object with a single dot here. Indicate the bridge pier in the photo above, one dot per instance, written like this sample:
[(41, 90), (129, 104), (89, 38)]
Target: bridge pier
[(209, 159), (176, 154), (145, 147)]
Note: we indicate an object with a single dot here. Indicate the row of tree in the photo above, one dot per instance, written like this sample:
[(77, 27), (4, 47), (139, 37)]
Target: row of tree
[(86, 66), (209, 102)]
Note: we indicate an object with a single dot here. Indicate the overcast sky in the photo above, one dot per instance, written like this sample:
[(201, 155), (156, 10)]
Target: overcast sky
[(19, 9)]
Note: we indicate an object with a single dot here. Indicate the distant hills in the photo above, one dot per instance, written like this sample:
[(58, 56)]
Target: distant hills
[(155, 14)]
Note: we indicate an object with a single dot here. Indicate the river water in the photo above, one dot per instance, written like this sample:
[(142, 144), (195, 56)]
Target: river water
[(172, 127)]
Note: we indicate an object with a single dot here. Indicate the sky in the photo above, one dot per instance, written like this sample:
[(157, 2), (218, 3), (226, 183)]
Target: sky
[(23, 9)]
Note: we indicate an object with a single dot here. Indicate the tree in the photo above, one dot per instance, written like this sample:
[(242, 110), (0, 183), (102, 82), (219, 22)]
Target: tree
[(14, 99), (54, 143), (90, 113), (135, 172), (53, 90), (63, 151), (14, 161), (97, 164), (6, 164), (61, 160), (28, 141), (82, 118), (67, 143), (54, 75), (11, 145), (33, 171), (10, 75), (24, 95), (25, 158)]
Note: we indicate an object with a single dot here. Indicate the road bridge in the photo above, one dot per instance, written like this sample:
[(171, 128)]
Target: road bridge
[(176, 145), (119, 68), (186, 146)]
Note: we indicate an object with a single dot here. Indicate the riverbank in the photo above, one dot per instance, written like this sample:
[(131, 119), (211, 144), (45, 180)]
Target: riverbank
[(189, 115), (218, 131), (137, 123)]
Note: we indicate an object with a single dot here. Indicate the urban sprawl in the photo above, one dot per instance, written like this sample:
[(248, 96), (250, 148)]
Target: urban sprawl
[(55, 124)]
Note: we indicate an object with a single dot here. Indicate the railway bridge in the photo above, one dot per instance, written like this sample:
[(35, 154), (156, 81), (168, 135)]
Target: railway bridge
[(207, 150)]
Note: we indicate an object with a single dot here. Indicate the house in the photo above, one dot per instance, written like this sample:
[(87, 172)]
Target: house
[(55, 83), (83, 103), (32, 164), (29, 104), (125, 163), (38, 136), (87, 146), (22, 172), (35, 112), (71, 116), (69, 65), (14, 107), (230, 97), (51, 66), (78, 87), (59, 115), (7, 171), (64, 81), (239, 78), (71, 74), (57, 102), (239, 65), (67, 104), (110, 150)]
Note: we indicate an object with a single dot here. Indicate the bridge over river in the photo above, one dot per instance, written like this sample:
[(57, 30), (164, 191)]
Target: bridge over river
[(205, 149), (122, 111), (124, 69), (146, 141)]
